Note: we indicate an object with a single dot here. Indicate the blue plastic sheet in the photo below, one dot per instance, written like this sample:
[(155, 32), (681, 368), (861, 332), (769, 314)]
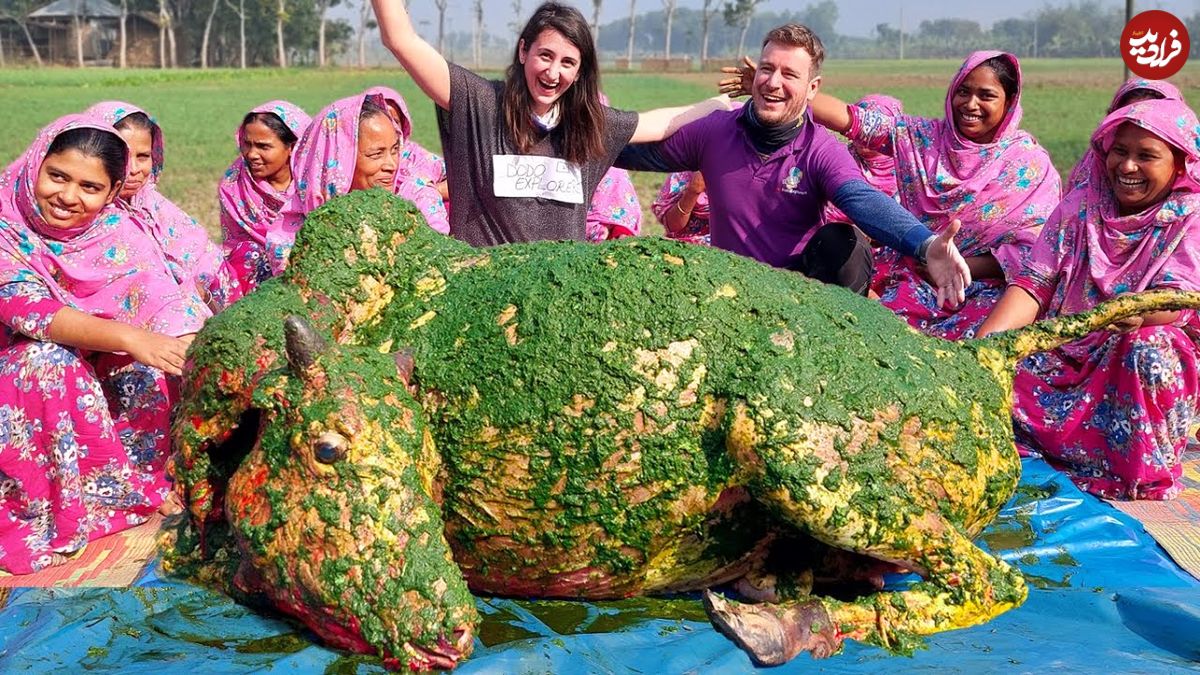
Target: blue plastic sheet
[(1105, 598)]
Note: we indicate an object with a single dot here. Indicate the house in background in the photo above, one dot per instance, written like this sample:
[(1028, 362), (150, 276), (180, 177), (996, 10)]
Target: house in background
[(53, 30)]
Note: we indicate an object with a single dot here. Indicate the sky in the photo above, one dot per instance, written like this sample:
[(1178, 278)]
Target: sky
[(855, 17)]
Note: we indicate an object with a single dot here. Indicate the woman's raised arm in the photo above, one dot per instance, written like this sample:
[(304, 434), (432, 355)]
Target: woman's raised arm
[(831, 112), (426, 66), (656, 125)]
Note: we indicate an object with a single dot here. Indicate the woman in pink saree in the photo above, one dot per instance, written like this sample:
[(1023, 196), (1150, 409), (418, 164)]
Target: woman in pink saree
[(193, 256), (1113, 410), (1133, 90), (355, 143), (256, 187), (615, 211), (975, 166), (878, 169), (682, 208), (93, 322)]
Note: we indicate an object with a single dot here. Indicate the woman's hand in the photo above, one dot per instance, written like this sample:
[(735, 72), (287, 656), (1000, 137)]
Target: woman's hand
[(1128, 324), (743, 79), (160, 351), (1132, 323)]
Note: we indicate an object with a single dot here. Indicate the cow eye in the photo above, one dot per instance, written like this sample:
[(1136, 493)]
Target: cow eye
[(329, 447)]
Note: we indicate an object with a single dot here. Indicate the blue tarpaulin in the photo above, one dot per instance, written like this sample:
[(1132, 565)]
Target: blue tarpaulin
[(1105, 597)]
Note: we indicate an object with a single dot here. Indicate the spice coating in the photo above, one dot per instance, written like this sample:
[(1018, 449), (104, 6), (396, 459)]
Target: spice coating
[(401, 418)]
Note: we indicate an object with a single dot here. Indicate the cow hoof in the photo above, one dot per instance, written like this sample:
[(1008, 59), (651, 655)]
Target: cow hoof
[(772, 635)]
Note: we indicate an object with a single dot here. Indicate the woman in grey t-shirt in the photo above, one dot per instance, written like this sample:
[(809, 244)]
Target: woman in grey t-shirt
[(525, 154)]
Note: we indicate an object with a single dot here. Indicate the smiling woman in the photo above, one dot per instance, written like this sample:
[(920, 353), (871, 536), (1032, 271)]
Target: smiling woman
[(974, 164), (93, 325), (378, 149), (1133, 90), (1142, 168), (256, 187), (74, 183), (355, 143), (546, 116), (193, 256), (1114, 410)]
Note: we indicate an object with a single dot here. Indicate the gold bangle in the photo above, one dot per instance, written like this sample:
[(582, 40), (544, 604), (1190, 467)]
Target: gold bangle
[(679, 205)]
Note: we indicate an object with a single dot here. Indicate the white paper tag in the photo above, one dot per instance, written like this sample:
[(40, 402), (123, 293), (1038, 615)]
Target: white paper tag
[(537, 176)]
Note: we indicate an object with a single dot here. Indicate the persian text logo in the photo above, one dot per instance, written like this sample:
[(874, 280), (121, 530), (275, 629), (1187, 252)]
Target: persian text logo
[(1155, 44)]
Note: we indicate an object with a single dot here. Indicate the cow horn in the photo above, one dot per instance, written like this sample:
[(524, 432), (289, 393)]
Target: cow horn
[(302, 342)]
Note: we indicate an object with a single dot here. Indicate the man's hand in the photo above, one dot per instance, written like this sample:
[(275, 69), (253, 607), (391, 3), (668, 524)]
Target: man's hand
[(946, 267), (743, 79)]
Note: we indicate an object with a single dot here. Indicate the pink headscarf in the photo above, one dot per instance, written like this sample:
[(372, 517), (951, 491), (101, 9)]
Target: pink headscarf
[(323, 167), (191, 253), (1168, 91), (1002, 191), (108, 268), (249, 206), (1089, 253)]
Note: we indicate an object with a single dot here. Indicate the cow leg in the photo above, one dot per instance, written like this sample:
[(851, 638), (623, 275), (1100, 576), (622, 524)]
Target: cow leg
[(857, 491), (964, 586)]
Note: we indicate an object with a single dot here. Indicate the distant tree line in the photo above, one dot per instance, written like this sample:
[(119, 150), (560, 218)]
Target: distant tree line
[(206, 32), (248, 33), (1084, 29)]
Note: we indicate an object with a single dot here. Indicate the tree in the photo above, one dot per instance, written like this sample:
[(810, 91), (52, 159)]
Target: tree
[(518, 21), (1014, 35), (124, 42), (17, 11), (632, 22), (441, 8), (740, 13), (207, 31), (162, 34), (477, 35), (596, 20), (240, 10), (950, 37), (365, 23), (280, 17), (822, 19), (166, 36), (706, 17), (669, 5), (322, 7), (77, 25)]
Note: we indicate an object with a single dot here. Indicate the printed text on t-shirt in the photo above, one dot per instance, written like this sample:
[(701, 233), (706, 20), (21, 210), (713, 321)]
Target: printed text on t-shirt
[(537, 176)]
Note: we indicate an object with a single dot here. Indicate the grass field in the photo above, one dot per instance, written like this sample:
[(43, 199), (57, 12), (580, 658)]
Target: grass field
[(200, 110)]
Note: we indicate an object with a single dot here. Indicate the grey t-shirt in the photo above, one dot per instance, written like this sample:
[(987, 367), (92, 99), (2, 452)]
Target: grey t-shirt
[(473, 131)]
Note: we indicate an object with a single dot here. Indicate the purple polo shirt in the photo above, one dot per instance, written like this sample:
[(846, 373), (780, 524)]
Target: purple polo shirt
[(763, 208)]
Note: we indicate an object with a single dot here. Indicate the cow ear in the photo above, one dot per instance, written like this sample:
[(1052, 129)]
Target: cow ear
[(303, 344)]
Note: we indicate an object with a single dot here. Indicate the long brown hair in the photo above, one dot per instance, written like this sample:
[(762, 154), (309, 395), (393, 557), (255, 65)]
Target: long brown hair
[(580, 131)]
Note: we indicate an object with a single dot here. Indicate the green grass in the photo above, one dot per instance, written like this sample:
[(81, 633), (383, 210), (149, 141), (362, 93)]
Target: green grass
[(200, 110)]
